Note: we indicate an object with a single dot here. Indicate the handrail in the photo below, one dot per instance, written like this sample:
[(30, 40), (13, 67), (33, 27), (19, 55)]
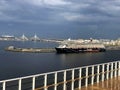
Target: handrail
[(101, 71), (55, 71)]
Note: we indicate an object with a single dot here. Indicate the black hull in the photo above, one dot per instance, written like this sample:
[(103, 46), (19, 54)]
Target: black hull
[(79, 50)]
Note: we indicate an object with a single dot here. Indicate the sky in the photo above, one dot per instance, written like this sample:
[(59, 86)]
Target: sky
[(61, 18)]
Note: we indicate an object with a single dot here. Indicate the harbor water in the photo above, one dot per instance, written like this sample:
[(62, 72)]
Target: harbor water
[(18, 64)]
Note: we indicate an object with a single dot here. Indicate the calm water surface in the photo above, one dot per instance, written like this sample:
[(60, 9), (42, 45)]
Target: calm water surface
[(17, 64)]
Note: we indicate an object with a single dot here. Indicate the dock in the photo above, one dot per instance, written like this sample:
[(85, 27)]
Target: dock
[(105, 76)]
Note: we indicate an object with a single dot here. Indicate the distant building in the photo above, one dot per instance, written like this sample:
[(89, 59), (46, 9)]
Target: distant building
[(7, 37)]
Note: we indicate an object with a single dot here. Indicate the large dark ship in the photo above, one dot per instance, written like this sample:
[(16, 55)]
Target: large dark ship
[(76, 47)]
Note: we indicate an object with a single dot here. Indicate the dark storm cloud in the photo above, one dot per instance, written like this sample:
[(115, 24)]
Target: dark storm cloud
[(30, 10), (95, 11), (67, 14), (38, 11)]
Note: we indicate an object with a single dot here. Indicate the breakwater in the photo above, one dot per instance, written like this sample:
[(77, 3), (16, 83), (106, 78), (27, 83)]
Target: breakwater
[(45, 50), (31, 50)]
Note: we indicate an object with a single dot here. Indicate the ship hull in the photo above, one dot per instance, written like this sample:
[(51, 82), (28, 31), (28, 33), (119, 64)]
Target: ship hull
[(79, 50)]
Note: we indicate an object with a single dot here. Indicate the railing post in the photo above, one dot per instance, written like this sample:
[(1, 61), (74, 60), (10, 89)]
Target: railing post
[(55, 87), (4, 86), (103, 68), (45, 82), (80, 70), (111, 70), (115, 69), (92, 78), (72, 88), (86, 80), (64, 86), (98, 72), (20, 82), (107, 75), (33, 83), (119, 69)]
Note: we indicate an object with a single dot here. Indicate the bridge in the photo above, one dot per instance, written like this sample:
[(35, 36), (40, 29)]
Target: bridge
[(103, 76)]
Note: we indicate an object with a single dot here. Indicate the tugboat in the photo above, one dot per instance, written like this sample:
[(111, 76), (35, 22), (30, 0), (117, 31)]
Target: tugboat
[(76, 47)]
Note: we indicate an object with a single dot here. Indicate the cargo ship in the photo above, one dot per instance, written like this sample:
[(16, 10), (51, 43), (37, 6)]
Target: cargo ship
[(80, 47)]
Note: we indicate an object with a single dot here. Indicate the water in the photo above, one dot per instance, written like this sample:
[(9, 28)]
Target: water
[(17, 64)]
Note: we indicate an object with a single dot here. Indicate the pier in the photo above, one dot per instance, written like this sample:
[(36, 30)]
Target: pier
[(30, 50), (105, 76)]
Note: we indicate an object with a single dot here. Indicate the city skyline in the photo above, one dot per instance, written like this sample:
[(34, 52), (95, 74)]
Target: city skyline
[(61, 18)]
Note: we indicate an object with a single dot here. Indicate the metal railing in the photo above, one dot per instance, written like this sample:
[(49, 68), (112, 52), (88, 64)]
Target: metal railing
[(68, 79)]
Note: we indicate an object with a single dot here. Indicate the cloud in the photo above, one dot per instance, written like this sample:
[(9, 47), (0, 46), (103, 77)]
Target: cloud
[(5, 9), (77, 17), (3, 5), (68, 14), (31, 11), (5, 17), (95, 12), (72, 16), (47, 2)]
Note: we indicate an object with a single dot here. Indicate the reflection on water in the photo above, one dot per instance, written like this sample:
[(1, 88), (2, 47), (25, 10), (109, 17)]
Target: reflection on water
[(82, 59)]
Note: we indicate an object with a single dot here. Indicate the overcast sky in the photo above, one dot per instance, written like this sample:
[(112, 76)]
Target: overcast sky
[(61, 18)]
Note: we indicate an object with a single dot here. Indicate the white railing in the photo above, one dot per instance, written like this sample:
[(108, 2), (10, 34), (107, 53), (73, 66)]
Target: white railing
[(68, 79)]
